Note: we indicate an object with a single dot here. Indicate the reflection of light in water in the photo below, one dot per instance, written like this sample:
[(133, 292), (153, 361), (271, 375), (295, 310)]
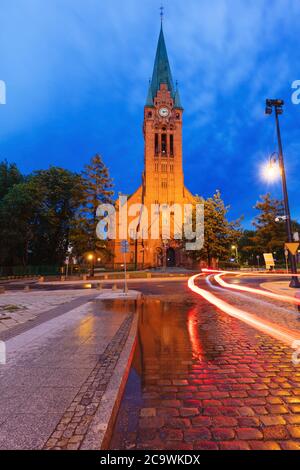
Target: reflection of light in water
[(85, 328), (283, 334), (193, 332)]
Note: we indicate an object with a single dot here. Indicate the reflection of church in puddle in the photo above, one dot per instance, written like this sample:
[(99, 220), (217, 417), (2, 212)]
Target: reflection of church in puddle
[(162, 181)]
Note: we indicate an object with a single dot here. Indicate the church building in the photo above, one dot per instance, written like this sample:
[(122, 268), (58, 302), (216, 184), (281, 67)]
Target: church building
[(162, 179)]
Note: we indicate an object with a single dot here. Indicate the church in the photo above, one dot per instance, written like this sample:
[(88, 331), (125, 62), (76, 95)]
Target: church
[(162, 178)]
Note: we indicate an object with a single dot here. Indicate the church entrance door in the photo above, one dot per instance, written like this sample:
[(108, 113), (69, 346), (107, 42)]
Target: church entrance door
[(171, 258)]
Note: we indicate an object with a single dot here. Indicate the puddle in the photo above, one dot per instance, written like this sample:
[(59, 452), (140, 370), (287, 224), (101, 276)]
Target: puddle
[(168, 342)]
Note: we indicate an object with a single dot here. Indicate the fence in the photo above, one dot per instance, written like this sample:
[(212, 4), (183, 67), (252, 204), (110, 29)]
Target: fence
[(41, 270)]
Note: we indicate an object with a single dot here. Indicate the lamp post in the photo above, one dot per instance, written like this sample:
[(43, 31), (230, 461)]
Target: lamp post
[(235, 248), (91, 259), (277, 105)]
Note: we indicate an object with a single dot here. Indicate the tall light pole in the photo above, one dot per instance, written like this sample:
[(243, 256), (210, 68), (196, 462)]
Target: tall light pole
[(277, 105), (90, 257)]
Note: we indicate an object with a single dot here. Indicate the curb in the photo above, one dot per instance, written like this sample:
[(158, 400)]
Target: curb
[(100, 431), (117, 281)]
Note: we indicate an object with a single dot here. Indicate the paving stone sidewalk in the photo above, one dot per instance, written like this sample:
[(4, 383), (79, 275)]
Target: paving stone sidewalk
[(19, 306), (73, 427), (61, 362)]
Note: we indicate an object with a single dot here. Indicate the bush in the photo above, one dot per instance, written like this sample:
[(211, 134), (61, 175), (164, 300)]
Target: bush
[(229, 265)]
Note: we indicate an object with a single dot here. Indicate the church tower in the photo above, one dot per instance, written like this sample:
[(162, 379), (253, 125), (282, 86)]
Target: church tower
[(162, 179), (163, 134)]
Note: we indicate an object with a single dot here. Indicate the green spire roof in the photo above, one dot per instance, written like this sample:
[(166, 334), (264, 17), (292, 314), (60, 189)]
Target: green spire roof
[(161, 72), (177, 101), (149, 101)]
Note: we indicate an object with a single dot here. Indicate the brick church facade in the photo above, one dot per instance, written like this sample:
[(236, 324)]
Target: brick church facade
[(162, 179)]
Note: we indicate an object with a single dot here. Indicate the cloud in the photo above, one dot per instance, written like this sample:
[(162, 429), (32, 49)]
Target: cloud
[(77, 71)]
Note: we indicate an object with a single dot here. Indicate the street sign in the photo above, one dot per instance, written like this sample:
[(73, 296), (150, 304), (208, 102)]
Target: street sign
[(269, 260), (124, 246), (292, 247)]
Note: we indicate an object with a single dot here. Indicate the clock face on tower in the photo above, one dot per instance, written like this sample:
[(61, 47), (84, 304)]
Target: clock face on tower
[(164, 112)]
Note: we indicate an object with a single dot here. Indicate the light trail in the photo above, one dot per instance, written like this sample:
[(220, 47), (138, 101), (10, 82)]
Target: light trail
[(246, 273), (252, 290), (254, 300), (283, 334)]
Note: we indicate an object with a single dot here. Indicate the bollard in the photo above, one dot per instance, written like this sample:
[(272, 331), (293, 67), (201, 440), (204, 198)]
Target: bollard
[(99, 286), (41, 279), (84, 277), (115, 287), (27, 288), (62, 278), (149, 275), (2, 290)]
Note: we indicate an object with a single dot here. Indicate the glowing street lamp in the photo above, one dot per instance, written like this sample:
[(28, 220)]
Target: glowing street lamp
[(277, 105), (271, 170), (90, 258)]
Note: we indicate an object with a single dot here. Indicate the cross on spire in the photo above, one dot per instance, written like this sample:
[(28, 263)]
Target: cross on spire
[(162, 9)]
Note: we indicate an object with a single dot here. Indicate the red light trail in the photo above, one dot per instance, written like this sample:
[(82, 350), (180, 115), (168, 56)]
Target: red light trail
[(265, 293), (285, 335)]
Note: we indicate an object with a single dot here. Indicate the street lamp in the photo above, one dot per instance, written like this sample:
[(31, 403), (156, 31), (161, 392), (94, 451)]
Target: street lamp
[(235, 248), (90, 258), (271, 171), (277, 105)]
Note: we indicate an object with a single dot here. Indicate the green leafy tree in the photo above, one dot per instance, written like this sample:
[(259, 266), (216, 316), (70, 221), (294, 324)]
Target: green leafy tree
[(246, 248), (270, 234), (9, 176), (18, 209), (60, 193), (219, 233), (96, 189), (36, 217)]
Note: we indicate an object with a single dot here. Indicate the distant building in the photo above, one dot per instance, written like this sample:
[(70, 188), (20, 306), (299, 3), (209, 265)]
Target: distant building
[(162, 179)]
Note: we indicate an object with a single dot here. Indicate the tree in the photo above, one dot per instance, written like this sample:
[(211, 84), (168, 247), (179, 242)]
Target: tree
[(36, 217), (9, 175), (219, 233), (270, 235), (60, 193), (96, 189), (247, 248), (17, 229)]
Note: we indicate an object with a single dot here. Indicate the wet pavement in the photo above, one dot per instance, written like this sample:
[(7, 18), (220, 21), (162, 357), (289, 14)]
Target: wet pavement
[(57, 373), (201, 379)]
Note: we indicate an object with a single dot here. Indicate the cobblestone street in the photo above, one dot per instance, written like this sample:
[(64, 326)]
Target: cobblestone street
[(203, 380), (200, 379)]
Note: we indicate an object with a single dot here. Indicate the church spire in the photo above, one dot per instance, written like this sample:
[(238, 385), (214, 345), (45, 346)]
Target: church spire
[(177, 101), (161, 71)]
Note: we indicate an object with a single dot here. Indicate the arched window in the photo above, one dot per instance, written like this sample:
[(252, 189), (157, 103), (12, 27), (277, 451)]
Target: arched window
[(164, 144)]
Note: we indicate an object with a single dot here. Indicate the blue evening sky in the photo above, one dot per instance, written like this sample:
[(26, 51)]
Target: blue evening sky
[(77, 72)]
